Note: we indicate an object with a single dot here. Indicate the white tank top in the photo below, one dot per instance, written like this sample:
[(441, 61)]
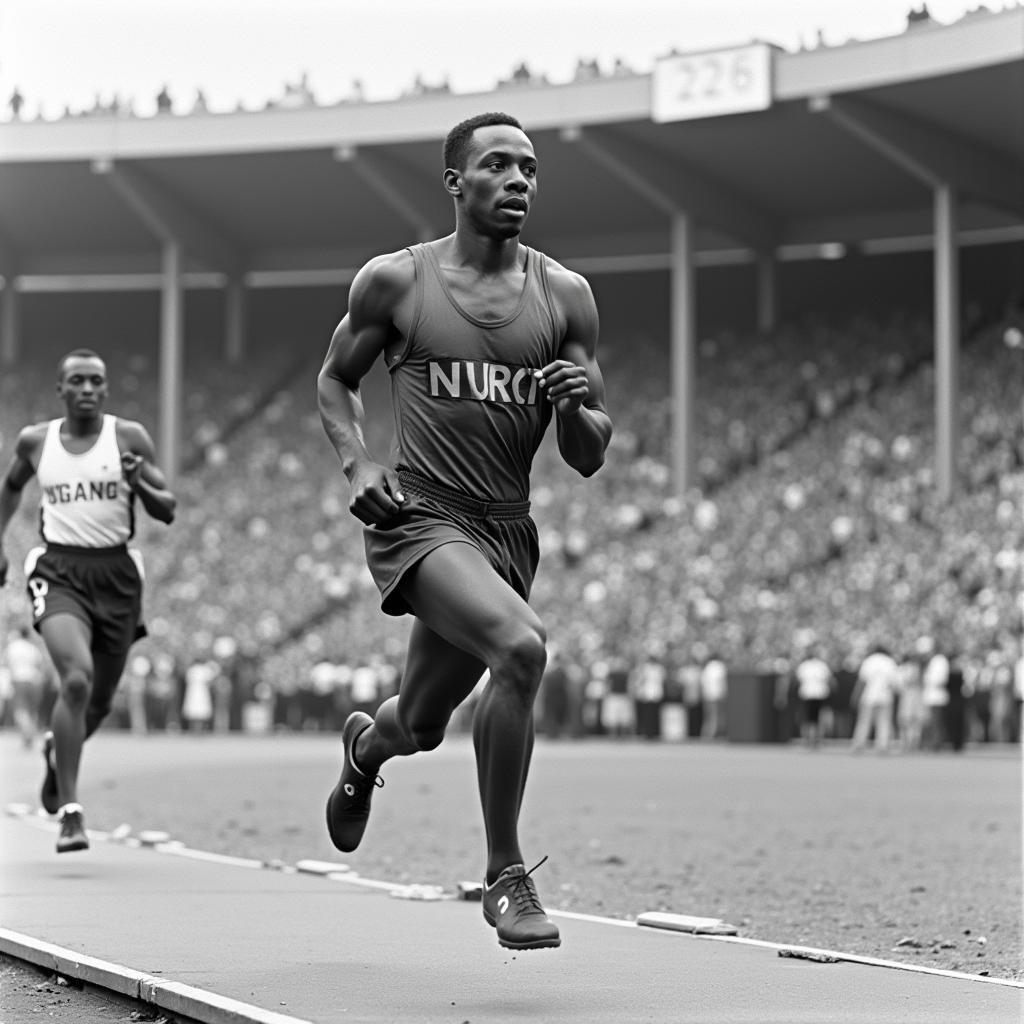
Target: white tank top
[(84, 500)]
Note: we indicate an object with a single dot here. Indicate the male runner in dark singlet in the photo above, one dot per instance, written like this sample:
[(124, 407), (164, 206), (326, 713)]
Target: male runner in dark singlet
[(484, 339), (85, 585)]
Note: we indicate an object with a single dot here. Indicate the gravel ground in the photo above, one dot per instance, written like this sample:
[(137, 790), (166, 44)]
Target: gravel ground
[(911, 858), (29, 994)]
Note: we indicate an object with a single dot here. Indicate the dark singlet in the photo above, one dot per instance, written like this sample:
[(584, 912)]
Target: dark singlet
[(468, 412)]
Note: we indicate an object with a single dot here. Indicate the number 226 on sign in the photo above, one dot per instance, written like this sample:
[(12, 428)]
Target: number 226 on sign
[(711, 84)]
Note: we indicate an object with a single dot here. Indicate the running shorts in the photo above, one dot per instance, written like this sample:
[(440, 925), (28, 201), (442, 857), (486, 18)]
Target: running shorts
[(812, 709), (100, 586), (431, 516)]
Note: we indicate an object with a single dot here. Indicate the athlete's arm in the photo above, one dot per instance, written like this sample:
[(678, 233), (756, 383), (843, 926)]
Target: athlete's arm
[(19, 472), (358, 342), (143, 476), (573, 382)]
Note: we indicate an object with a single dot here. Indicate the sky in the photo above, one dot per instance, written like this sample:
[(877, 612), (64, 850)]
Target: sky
[(62, 53)]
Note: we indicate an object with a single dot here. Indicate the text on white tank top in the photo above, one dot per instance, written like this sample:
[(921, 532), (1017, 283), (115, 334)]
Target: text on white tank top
[(84, 499)]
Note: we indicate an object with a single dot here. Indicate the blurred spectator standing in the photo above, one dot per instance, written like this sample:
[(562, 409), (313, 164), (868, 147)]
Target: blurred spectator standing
[(227, 705), (227, 700), (342, 699), (960, 692), (197, 707), (844, 707), (595, 690), (163, 695), (586, 70), (874, 694), (325, 681), (553, 706), (689, 684), (522, 75), (287, 713), (366, 696), (714, 681), (135, 683), (648, 686), (163, 101), (296, 94), (1000, 702), (1018, 697), (935, 694), (618, 716), (26, 674), (674, 725), (15, 104), (910, 714), (917, 18), (814, 686)]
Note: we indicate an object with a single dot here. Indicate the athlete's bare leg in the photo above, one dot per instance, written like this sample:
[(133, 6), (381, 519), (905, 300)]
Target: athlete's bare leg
[(107, 672), (441, 677), (68, 641), (472, 618)]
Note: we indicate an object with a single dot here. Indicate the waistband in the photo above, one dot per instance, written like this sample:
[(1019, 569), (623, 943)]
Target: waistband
[(459, 502), (71, 549)]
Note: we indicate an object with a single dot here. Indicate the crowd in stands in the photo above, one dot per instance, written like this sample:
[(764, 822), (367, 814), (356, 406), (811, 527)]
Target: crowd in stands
[(815, 526), (300, 94), (925, 702)]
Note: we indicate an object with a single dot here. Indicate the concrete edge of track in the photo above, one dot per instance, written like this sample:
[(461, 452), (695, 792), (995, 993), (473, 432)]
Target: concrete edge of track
[(210, 1008), (164, 995)]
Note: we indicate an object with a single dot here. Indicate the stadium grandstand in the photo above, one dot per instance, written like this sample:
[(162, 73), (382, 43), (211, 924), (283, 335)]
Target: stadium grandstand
[(810, 272)]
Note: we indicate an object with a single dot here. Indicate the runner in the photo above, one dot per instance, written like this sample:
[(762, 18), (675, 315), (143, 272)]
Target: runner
[(85, 585), (484, 339)]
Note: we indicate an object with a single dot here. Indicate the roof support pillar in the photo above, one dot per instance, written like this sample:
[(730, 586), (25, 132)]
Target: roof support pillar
[(683, 320), (682, 301), (234, 320), (947, 341), (177, 228), (172, 360), (10, 322), (939, 166), (767, 291)]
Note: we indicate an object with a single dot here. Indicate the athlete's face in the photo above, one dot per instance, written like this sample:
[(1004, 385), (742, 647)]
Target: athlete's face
[(499, 183), (83, 386)]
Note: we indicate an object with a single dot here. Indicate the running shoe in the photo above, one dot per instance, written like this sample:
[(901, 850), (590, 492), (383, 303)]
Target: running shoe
[(72, 830), (512, 906), (48, 796), (348, 806)]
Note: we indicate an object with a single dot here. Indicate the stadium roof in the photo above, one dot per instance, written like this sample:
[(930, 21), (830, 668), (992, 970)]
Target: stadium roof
[(849, 150)]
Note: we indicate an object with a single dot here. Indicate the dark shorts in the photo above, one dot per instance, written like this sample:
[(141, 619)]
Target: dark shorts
[(100, 586), (432, 516), (812, 709)]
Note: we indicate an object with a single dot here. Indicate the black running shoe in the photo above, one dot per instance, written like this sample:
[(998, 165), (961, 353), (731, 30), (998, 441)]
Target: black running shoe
[(348, 806), (512, 906), (48, 795), (72, 830)]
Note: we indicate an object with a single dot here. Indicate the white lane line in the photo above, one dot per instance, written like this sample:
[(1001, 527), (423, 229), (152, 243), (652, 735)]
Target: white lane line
[(869, 961), (355, 879)]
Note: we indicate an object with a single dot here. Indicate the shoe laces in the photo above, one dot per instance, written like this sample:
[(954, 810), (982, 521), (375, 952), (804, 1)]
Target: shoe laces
[(524, 892), (364, 786)]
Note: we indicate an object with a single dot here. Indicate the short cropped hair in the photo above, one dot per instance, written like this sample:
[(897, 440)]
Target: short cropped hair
[(78, 353), (456, 144)]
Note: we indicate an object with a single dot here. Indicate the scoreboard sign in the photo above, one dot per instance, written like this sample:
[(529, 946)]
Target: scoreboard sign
[(713, 83)]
